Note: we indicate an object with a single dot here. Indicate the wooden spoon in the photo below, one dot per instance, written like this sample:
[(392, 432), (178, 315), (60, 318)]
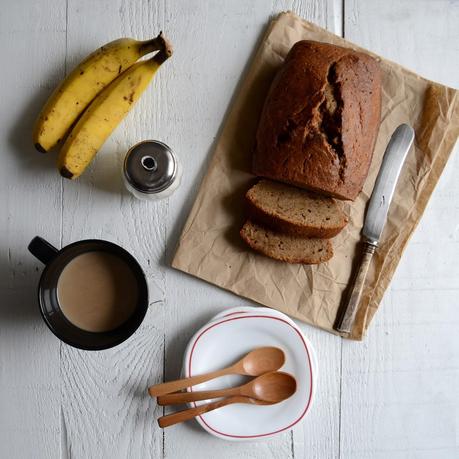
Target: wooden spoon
[(255, 363), (266, 387), (275, 395)]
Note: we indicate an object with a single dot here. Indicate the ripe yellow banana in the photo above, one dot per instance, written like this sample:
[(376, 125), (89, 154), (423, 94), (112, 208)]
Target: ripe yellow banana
[(105, 113), (80, 87)]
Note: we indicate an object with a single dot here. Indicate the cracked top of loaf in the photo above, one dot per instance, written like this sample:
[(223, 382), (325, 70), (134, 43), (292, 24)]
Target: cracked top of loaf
[(320, 120)]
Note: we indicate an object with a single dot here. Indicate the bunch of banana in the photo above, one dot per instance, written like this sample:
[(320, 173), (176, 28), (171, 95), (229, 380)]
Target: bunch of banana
[(94, 98)]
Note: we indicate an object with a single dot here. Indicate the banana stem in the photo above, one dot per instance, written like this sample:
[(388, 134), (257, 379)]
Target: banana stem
[(154, 44), (160, 44), (165, 52)]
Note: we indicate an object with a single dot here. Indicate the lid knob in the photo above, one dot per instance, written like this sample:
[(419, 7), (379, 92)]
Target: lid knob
[(149, 163), (150, 166)]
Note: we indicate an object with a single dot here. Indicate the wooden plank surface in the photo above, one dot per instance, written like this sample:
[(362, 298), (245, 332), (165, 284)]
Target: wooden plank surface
[(106, 410), (33, 49), (233, 32), (400, 389), (395, 397)]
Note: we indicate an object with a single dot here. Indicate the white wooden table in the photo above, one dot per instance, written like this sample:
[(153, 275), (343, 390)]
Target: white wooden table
[(394, 396)]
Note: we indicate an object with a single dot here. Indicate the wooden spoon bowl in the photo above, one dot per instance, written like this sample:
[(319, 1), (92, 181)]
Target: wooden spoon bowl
[(262, 360), (272, 387)]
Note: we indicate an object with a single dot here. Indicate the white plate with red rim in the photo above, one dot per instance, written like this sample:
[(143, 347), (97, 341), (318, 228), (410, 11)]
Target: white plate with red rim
[(241, 310), (228, 337), (238, 310)]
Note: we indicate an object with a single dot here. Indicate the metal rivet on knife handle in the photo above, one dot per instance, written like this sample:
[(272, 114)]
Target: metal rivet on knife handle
[(375, 218)]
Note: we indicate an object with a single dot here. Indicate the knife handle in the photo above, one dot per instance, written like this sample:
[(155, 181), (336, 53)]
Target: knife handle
[(346, 320)]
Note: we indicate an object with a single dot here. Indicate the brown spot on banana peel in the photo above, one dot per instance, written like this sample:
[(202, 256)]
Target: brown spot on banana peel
[(129, 98)]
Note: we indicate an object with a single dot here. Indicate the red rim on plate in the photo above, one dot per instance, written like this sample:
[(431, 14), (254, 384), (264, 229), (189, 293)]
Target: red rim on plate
[(310, 373)]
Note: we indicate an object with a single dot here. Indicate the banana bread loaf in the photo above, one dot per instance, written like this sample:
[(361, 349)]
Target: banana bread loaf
[(320, 120)]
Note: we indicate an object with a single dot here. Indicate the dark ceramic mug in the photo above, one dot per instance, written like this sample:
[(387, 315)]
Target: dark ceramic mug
[(55, 261)]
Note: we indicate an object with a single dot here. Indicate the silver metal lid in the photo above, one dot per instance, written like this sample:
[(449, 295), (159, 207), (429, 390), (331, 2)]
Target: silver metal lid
[(150, 166)]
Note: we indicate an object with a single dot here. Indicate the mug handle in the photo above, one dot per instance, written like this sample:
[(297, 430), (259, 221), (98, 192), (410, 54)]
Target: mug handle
[(42, 250)]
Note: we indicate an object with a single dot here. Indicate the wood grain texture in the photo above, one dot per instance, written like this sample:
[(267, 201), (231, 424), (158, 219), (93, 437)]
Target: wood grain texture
[(346, 321), (399, 389), (106, 408), (30, 204), (214, 41), (231, 31)]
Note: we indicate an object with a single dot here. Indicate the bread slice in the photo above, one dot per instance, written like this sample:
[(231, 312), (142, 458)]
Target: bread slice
[(284, 247), (294, 211)]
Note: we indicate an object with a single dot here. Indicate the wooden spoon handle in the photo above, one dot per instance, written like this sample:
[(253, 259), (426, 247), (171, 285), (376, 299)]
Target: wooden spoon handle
[(185, 415), (185, 397), (174, 386)]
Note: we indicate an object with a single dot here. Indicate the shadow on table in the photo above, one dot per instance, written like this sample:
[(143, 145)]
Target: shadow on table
[(175, 349), (20, 134), (175, 345), (34, 164), (18, 292)]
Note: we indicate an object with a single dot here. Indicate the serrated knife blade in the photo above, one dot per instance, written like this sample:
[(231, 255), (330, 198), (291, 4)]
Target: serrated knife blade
[(375, 219)]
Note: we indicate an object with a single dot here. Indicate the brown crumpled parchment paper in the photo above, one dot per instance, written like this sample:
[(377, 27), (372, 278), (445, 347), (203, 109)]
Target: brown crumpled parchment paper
[(210, 247)]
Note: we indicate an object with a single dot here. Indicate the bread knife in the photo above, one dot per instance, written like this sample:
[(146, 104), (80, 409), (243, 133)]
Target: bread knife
[(375, 219)]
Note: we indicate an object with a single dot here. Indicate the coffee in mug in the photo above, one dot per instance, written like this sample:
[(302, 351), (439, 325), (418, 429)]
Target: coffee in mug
[(92, 294), (97, 291)]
